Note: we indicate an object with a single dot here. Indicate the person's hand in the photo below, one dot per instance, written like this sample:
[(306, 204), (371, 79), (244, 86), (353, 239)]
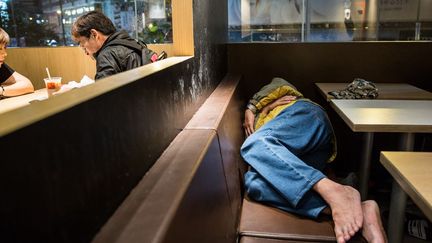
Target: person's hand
[(249, 121), (281, 101)]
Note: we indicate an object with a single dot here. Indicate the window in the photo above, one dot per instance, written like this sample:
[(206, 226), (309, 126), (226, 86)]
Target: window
[(329, 20), (48, 22)]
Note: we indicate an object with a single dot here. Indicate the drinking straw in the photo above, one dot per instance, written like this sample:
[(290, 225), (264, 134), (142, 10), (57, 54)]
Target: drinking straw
[(49, 76)]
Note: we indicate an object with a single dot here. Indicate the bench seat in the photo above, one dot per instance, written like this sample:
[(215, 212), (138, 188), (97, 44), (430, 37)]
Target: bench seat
[(265, 223), (250, 239)]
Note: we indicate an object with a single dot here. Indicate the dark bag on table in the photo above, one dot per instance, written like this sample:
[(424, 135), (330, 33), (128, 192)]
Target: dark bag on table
[(357, 89)]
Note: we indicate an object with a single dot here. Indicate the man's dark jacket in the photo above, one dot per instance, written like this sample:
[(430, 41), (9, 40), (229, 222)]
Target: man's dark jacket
[(114, 58)]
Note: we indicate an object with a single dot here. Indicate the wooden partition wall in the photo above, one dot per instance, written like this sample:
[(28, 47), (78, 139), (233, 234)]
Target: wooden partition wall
[(72, 64)]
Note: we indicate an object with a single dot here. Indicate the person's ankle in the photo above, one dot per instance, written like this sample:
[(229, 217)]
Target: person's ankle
[(326, 186)]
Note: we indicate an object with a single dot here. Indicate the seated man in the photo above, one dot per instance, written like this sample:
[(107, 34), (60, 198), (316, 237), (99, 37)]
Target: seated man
[(114, 51), (287, 153), (11, 82)]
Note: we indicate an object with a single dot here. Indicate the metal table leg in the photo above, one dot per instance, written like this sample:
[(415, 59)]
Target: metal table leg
[(407, 142), (365, 164), (395, 229), (398, 200)]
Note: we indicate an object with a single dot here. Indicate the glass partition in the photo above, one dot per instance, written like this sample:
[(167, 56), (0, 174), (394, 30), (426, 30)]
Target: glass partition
[(48, 22), (329, 20)]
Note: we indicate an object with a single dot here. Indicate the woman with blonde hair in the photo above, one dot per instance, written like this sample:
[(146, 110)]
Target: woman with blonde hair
[(12, 83)]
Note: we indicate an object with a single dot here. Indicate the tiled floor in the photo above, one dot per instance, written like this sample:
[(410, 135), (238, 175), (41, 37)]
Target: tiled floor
[(409, 239), (381, 193)]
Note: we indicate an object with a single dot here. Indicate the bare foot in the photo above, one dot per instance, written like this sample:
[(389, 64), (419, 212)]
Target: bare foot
[(345, 206), (373, 231)]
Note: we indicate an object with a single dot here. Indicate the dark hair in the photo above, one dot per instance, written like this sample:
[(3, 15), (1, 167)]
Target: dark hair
[(92, 20)]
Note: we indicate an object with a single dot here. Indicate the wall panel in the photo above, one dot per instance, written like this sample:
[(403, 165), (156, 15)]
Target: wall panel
[(307, 63)]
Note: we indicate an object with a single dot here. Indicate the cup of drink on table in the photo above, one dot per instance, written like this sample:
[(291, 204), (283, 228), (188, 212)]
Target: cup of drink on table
[(53, 84)]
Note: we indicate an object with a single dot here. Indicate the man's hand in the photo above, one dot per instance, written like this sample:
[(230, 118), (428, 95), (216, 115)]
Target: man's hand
[(281, 101), (249, 121)]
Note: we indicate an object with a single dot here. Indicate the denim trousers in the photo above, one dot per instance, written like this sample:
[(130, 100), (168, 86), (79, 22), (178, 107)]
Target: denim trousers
[(287, 156)]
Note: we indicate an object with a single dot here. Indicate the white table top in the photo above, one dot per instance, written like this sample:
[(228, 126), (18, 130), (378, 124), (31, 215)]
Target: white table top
[(12, 103), (409, 116), (413, 172), (386, 91)]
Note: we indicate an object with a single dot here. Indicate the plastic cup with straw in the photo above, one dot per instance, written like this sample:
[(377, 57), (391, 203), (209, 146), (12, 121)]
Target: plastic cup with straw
[(53, 84)]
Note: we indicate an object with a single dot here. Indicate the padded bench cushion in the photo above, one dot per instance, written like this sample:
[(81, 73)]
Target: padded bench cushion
[(249, 239), (264, 221), (267, 224)]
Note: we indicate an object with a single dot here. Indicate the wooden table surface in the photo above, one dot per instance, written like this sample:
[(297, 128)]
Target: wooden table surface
[(386, 91), (409, 116), (12, 103), (413, 172), (370, 116)]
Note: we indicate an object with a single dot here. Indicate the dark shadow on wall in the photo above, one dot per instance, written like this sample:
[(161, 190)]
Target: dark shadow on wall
[(64, 176), (307, 63)]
